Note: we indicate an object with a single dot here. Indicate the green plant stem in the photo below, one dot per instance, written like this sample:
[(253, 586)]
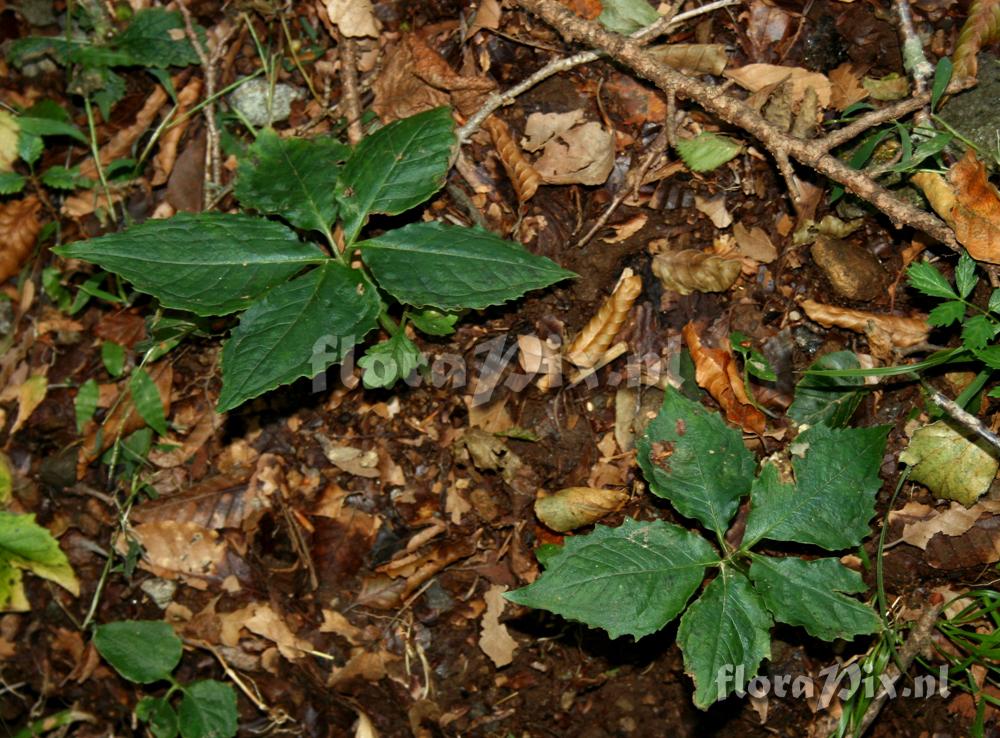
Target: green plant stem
[(883, 600), (59, 720), (391, 326), (95, 152)]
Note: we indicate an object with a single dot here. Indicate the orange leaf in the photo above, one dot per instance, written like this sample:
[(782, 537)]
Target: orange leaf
[(976, 214), (19, 225), (981, 28), (591, 343), (716, 372)]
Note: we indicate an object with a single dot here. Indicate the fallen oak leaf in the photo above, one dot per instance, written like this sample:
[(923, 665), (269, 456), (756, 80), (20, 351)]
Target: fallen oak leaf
[(494, 638), (717, 373), (923, 522), (19, 226)]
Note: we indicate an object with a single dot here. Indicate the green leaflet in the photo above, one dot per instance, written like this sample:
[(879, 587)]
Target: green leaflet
[(725, 632), (813, 594), (648, 570), (298, 330), (387, 362), (148, 402), (394, 169), (143, 651), (430, 264), (208, 710), (692, 458), (626, 16), (293, 178), (207, 263), (833, 497), (829, 400), (706, 151), (26, 545)]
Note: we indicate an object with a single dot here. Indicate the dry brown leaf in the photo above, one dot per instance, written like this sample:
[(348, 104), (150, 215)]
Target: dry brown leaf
[(166, 156), (19, 226), (492, 417), (717, 373), (9, 133), (82, 204), (540, 357), (978, 546), (487, 16), (203, 430), (587, 9), (124, 418), (30, 394), (121, 143), (175, 549), (756, 77), (754, 244), (261, 619), (575, 507), (976, 214), (629, 228), (574, 151), (354, 18), (221, 501), (691, 270), (595, 338), (494, 638), (923, 522), (715, 209), (418, 78), (692, 58), (366, 665), (523, 175), (981, 28), (352, 460), (902, 332), (845, 87)]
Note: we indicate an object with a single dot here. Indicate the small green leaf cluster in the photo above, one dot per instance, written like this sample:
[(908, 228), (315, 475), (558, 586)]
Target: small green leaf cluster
[(23, 135), (302, 309), (148, 41), (978, 326), (650, 570), (148, 651)]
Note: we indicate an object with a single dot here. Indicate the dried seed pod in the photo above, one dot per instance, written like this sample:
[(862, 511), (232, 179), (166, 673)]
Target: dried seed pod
[(19, 226), (591, 343), (695, 271), (522, 174)]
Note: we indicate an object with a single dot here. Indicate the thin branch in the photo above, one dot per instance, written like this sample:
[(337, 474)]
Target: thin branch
[(643, 36), (914, 59), (350, 89), (813, 154)]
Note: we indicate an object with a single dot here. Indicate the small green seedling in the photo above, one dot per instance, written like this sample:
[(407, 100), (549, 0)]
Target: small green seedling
[(303, 309), (148, 651), (636, 578)]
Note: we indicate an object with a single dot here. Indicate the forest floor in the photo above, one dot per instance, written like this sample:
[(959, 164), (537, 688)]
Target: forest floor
[(338, 554)]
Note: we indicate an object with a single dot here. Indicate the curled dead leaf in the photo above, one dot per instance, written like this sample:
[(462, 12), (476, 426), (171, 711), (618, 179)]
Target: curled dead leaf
[(902, 332), (575, 507), (981, 28), (574, 151), (19, 226), (691, 270), (717, 373), (523, 175), (697, 58), (166, 157), (595, 338)]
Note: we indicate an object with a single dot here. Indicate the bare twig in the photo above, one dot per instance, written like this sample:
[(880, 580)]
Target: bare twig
[(632, 183), (813, 154), (959, 415), (350, 90), (213, 151), (642, 36), (919, 637), (914, 59)]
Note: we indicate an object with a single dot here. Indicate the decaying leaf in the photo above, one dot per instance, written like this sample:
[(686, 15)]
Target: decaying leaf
[(756, 77), (351, 460), (418, 78), (175, 549), (890, 87), (539, 357), (902, 332), (166, 156), (968, 203), (261, 619), (923, 522), (9, 133), (953, 462), (846, 87), (715, 209), (716, 372), (121, 144), (981, 28), (494, 638), (30, 394), (575, 507), (691, 270), (354, 18), (124, 418), (754, 244), (595, 338), (574, 151), (523, 175), (692, 58), (19, 226)]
